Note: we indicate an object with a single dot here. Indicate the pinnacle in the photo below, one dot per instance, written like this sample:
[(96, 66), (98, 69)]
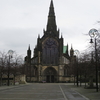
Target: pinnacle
[(51, 11), (51, 5)]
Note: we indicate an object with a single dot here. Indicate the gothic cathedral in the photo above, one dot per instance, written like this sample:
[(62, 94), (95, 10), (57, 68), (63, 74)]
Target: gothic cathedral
[(51, 61)]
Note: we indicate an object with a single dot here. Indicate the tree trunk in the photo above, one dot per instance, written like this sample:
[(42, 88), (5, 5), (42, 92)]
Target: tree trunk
[(85, 80), (14, 79), (1, 79)]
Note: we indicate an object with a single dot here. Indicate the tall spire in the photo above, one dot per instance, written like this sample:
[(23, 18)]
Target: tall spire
[(51, 24)]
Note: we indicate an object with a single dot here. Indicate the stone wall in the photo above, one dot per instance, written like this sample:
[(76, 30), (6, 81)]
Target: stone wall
[(18, 79)]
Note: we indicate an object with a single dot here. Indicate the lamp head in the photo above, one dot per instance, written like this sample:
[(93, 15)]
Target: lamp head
[(10, 53), (93, 33), (91, 40)]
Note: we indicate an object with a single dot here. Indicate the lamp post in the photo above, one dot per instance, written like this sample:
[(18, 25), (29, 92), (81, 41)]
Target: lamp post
[(77, 53), (99, 78), (10, 53), (93, 33)]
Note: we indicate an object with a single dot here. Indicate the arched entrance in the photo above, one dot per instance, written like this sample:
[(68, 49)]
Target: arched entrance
[(50, 75)]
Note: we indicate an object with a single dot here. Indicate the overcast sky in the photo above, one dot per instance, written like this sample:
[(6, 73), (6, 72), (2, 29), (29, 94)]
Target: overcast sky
[(22, 20)]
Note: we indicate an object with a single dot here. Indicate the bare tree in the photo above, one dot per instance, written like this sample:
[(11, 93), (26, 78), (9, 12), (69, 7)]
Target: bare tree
[(10, 65), (16, 63), (3, 63)]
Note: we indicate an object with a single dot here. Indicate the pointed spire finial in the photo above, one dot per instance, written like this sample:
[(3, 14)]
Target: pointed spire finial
[(71, 47), (51, 5), (29, 47), (38, 35), (51, 9), (67, 45), (61, 35)]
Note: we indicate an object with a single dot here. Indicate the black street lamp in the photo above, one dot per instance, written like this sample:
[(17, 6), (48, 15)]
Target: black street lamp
[(77, 53), (10, 53), (93, 33)]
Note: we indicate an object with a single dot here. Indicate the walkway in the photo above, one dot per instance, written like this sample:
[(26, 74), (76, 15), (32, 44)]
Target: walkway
[(46, 91)]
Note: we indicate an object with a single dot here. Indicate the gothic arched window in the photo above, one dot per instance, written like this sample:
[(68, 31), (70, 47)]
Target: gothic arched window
[(50, 52)]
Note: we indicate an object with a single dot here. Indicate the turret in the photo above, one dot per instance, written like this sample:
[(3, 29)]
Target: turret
[(28, 54), (71, 52), (61, 45), (38, 43)]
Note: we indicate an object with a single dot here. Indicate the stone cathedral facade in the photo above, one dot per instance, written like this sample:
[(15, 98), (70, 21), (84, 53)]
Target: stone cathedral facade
[(51, 61)]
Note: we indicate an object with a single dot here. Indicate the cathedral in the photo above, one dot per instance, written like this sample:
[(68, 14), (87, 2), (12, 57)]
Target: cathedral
[(52, 61)]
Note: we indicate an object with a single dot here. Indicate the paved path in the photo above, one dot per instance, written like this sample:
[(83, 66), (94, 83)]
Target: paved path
[(42, 91)]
